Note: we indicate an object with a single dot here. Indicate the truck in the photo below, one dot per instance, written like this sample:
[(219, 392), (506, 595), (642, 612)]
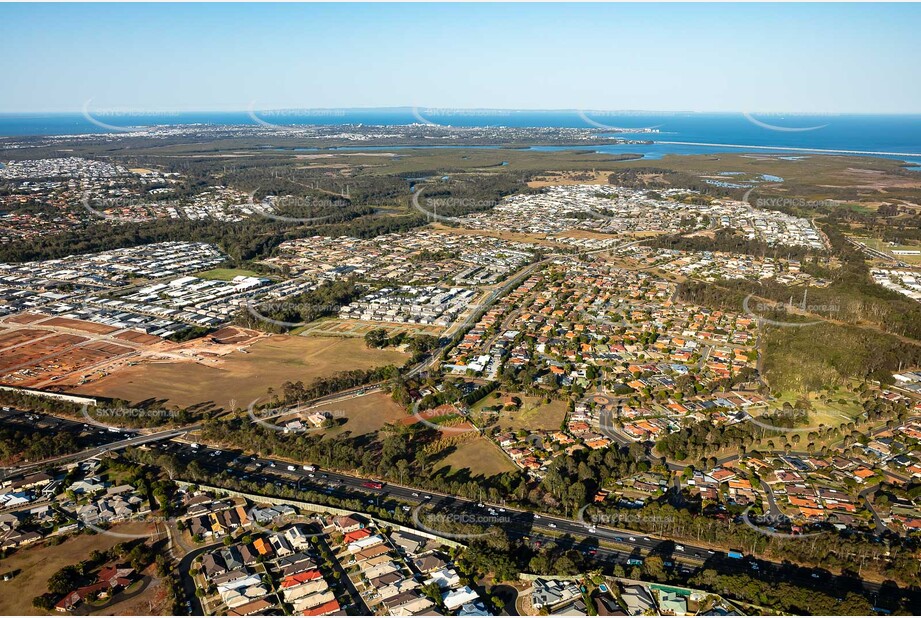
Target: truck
[(635, 562), (310, 468), (373, 485), (735, 554)]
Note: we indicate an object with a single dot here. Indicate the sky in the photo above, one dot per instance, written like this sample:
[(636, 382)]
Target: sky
[(810, 58)]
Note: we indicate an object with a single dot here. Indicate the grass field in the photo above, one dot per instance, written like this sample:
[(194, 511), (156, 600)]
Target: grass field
[(365, 414), (884, 247), (479, 456), (37, 564), (227, 274), (830, 413), (241, 377), (533, 415)]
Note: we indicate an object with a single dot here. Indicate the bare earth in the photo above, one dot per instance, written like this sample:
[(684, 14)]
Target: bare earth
[(241, 376)]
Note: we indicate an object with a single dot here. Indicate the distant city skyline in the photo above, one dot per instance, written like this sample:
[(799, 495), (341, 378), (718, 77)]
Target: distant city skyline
[(782, 58)]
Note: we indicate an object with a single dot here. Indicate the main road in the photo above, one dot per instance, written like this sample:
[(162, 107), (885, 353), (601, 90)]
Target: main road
[(620, 545)]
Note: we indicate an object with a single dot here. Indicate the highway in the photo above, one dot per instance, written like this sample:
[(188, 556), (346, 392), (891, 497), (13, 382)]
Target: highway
[(109, 441), (620, 544)]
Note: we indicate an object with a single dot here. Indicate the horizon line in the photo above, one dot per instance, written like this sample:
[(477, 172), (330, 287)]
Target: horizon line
[(456, 110)]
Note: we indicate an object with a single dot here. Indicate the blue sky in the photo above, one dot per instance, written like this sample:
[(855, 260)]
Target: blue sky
[(713, 57)]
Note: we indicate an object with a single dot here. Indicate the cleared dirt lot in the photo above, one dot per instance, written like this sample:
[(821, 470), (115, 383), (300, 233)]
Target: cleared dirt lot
[(241, 376)]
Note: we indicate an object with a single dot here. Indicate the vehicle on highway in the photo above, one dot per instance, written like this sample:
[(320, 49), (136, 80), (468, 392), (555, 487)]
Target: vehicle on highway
[(552, 525), (373, 484)]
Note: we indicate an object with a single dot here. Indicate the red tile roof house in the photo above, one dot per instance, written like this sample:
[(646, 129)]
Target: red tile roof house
[(109, 579), (322, 610)]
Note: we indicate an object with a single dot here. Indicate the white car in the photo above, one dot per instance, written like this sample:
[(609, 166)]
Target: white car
[(552, 525)]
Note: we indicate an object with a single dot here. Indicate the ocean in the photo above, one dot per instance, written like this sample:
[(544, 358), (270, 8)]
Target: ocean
[(891, 136)]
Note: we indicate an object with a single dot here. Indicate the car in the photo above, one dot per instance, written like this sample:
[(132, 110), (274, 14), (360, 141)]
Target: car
[(406, 508), (536, 516), (710, 551), (816, 576), (552, 525), (312, 475), (415, 495), (426, 497), (480, 504), (632, 538), (592, 530), (501, 510), (679, 547)]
